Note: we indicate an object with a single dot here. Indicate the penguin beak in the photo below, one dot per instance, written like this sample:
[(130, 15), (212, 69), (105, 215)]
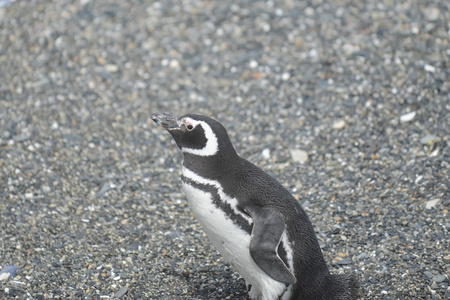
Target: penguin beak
[(167, 121)]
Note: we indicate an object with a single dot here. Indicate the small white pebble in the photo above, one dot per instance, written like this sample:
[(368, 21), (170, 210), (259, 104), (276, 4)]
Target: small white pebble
[(285, 76), (174, 64), (299, 155), (4, 276), (339, 124), (309, 11), (414, 29), (429, 68), (432, 203), (253, 64), (111, 68), (435, 152), (220, 32), (165, 62), (266, 153), (407, 117), (279, 12), (419, 178), (265, 27)]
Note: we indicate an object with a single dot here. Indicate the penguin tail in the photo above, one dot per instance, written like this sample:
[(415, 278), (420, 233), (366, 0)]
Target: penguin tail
[(343, 287)]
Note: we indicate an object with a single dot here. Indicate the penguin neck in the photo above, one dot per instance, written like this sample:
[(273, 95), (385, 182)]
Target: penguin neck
[(212, 167)]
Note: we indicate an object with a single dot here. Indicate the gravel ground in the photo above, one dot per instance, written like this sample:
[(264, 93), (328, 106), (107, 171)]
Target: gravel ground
[(347, 103)]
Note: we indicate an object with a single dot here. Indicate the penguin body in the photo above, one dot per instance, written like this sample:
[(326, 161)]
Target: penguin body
[(250, 218)]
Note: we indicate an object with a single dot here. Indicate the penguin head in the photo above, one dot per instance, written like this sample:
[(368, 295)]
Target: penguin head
[(195, 134)]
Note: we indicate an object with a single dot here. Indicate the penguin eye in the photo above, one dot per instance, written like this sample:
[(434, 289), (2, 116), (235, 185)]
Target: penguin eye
[(189, 127)]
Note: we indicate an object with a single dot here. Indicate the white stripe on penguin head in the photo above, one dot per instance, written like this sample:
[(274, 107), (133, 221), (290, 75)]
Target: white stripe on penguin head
[(212, 144)]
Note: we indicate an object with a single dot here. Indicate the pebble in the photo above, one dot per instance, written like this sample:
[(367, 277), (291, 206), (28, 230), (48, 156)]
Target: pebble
[(407, 117), (432, 13), (120, 293), (430, 138), (103, 189), (299, 156), (429, 68), (266, 153), (21, 138), (344, 262), (4, 3), (285, 76), (253, 64), (432, 203), (439, 278), (8, 272), (363, 255), (339, 124), (111, 68)]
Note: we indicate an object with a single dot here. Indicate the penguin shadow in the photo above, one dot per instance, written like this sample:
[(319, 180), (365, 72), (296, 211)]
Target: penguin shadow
[(217, 282)]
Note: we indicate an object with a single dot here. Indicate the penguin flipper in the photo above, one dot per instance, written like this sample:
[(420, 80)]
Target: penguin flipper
[(268, 227)]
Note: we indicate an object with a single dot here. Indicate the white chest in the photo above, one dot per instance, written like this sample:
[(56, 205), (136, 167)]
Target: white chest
[(226, 236)]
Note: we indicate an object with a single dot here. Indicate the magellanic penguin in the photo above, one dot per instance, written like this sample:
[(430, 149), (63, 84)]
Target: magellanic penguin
[(250, 218)]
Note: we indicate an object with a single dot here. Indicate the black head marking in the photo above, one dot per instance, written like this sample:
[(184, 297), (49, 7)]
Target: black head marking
[(196, 134), (190, 136)]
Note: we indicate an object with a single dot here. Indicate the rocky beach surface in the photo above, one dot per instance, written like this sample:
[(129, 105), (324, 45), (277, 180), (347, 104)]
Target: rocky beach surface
[(347, 103)]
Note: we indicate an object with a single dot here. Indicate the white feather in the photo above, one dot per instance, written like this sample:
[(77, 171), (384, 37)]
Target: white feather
[(290, 262)]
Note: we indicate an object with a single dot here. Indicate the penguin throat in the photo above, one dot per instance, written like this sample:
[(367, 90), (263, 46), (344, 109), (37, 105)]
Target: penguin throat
[(212, 144)]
